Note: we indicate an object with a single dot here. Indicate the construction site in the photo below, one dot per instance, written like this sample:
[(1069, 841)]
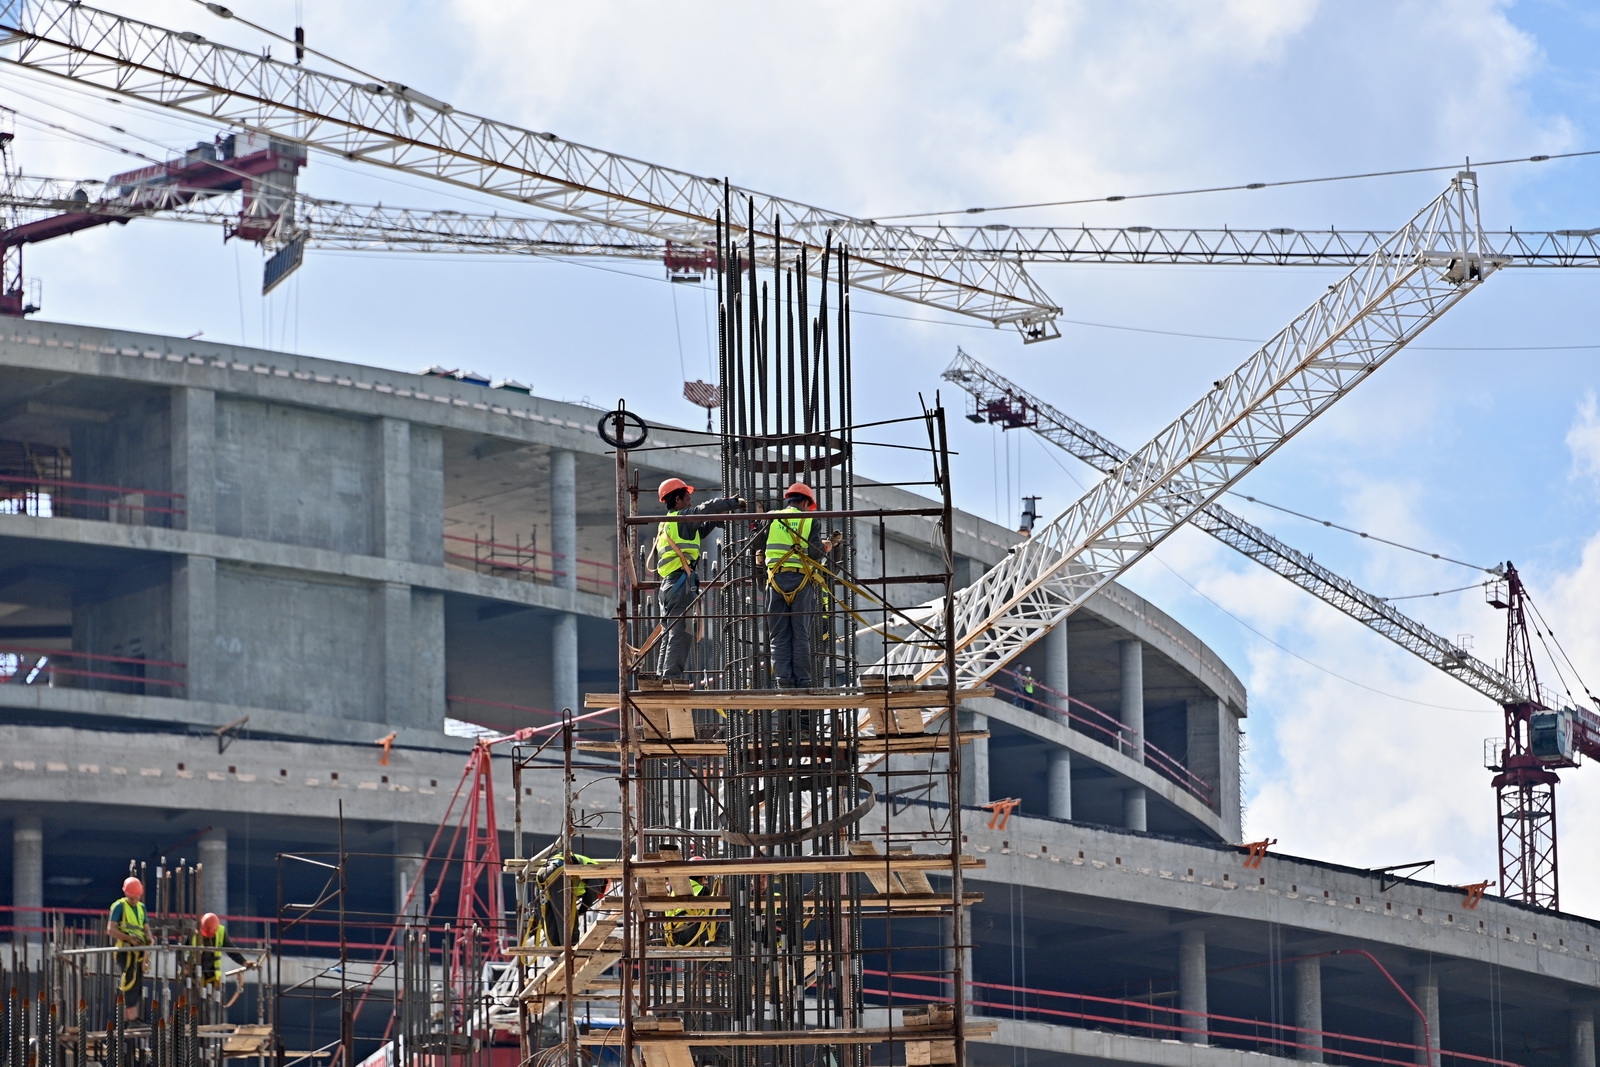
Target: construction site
[(420, 720)]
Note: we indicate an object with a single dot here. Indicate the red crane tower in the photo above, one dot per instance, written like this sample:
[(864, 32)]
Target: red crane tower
[(1537, 740)]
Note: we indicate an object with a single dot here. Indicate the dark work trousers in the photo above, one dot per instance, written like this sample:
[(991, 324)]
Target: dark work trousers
[(790, 625), (677, 592)]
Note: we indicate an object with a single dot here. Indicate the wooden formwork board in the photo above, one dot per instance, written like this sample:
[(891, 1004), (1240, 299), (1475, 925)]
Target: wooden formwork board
[(840, 1036), (773, 865), (799, 700), (894, 744)]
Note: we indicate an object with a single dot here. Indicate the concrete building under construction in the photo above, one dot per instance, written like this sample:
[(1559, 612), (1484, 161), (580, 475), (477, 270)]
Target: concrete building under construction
[(245, 593)]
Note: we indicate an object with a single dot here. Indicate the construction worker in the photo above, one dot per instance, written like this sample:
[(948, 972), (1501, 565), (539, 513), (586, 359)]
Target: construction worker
[(560, 901), (677, 551), (791, 550), (213, 935), (127, 926), (1029, 702)]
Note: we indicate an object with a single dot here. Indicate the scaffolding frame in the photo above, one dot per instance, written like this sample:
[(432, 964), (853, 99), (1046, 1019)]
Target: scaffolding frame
[(758, 872)]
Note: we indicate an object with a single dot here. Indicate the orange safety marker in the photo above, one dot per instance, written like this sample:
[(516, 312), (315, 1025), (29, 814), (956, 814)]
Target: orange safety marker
[(1474, 894), (387, 741), (1258, 850), (1001, 810)]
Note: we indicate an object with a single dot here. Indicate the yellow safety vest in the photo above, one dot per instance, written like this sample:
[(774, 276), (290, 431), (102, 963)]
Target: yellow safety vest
[(787, 541), (674, 553), (211, 962), (132, 922)]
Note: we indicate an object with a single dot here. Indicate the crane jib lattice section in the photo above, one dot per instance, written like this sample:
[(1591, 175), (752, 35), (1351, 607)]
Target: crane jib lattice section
[(391, 125), (1414, 277)]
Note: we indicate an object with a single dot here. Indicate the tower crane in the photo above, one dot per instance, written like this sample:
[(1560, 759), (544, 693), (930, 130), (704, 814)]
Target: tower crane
[(1540, 735), (392, 125), (1416, 275)]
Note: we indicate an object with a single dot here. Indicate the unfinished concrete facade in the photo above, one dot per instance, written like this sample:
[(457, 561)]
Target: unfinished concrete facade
[(319, 554)]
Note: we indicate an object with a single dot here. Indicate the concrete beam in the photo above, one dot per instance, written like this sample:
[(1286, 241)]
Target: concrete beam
[(298, 558), (1195, 879), (264, 779)]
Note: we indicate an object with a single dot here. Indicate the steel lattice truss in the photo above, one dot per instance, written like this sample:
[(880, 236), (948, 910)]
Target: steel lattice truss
[(392, 126), (1413, 278), (987, 387), (336, 225), (1279, 247)]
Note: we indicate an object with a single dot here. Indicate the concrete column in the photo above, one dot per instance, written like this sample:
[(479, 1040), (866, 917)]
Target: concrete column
[(564, 664), (27, 873), (1060, 783), (194, 625), (193, 456), (1426, 994), (400, 697), (1192, 985), (1135, 809), (1308, 1007), (975, 767), (963, 938), (214, 871), (391, 523), (407, 867), (564, 543), (1054, 671), (1582, 1037), (564, 518), (1131, 658), (1131, 711)]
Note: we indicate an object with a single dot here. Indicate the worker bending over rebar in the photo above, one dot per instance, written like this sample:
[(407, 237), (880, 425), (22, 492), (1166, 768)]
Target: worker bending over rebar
[(677, 552)]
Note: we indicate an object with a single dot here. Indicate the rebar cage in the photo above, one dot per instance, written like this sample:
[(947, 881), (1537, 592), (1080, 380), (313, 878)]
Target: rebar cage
[(765, 896)]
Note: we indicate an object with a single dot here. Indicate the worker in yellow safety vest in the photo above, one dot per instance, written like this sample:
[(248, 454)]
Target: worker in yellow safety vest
[(127, 926), (791, 550), (213, 936), (677, 551)]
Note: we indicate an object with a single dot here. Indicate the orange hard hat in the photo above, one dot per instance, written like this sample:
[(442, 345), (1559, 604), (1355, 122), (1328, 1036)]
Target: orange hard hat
[(670, 486), (209, 923), (132, 888), (801, 489)]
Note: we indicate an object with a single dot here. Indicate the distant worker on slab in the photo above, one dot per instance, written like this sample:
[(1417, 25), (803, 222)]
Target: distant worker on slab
[(213, 936), (677, 552), (127, 925), (793, 547)]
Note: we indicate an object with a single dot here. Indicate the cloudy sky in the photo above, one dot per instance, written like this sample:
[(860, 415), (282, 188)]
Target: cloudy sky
[(1480, 442)]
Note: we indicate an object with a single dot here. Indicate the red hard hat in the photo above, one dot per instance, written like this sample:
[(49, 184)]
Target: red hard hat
[(670, 486), (801, 489), (132, 888), (209, 923)]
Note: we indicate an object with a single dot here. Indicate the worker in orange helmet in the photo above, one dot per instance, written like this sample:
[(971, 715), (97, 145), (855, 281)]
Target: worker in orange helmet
[(792, 548), (677, 552), (128, 925), (213, 937)]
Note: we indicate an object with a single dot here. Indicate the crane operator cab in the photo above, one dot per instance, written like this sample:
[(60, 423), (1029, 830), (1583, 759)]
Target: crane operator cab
[(1550, 737)]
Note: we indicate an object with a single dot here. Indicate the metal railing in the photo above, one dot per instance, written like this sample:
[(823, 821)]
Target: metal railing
[(526, 563), (56, 498), (68, 669), (1140, 1018), (1107, 729)]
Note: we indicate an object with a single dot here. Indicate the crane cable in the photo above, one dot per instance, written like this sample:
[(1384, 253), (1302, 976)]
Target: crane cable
[(1371, 537), (1236, 188)]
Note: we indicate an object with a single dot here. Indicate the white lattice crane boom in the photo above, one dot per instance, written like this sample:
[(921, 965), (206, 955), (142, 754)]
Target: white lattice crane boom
[(393, 126), (1407, 283)]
